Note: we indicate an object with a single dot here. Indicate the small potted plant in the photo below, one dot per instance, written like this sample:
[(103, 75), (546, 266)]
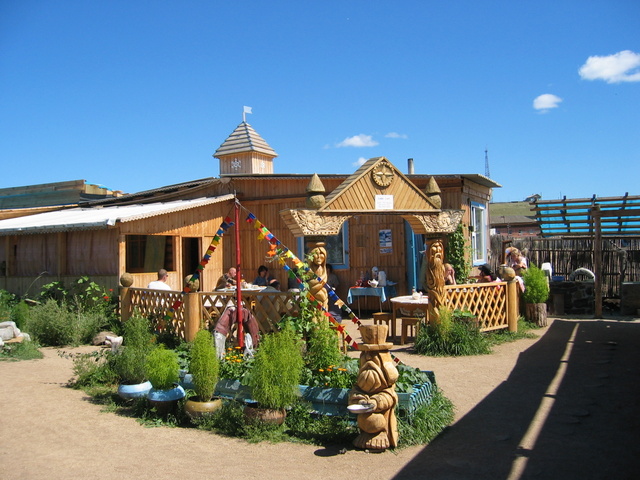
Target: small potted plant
[(275, 376), (162, 369), (129, 361), (535, 295), (205, 370)]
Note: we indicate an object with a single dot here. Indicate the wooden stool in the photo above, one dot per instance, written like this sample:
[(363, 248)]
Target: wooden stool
[(409, 323)]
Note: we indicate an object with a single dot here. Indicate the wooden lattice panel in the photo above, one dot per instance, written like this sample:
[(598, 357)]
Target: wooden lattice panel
[(155, 304), (487, 301)]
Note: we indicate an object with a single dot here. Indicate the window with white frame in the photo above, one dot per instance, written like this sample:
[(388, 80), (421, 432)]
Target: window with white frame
[(479, 233)]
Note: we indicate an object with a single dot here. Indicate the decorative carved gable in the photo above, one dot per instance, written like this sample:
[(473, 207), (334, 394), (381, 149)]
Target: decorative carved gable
[(378, 185)]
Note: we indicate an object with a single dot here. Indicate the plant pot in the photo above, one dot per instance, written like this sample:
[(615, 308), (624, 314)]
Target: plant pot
[(138, 390), (197, 409), (165, 401), (269, 416)]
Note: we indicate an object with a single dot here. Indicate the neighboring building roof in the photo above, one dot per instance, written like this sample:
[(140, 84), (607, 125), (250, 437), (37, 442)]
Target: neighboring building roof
[(512, 220), (244, 139), (500, 209), (57, 193), (98, 218)]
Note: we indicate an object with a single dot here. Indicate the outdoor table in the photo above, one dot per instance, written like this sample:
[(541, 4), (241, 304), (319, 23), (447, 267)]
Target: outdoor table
[(383, 293), (406, 302)]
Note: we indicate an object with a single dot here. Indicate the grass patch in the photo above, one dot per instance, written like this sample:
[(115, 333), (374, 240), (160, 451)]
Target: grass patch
[(457, 334), (504, 336), (20, 351), (427, 422)]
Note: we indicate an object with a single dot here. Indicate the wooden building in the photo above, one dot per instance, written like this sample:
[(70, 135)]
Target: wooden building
[(171, 227)]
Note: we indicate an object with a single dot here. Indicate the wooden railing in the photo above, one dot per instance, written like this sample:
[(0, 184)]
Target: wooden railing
[(486, 301), (495, 305), (201, 310)]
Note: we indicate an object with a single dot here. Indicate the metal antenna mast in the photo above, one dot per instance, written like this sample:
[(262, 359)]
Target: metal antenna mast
[(486, 163)]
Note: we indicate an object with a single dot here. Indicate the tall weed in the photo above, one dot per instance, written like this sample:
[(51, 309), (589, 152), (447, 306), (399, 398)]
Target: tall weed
[(451, 337)]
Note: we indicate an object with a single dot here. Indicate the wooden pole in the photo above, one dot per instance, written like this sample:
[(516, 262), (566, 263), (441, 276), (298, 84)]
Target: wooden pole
[(192, 315), (125, 304), (597, 260), (512, 305), (239, 310)]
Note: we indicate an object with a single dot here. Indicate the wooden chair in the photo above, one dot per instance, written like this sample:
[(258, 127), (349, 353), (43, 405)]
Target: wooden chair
[(410, 327)]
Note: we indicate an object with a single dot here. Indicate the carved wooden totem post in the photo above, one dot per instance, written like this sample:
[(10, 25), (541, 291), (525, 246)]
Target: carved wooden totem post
[(319, 268), (374, 396), (435, 279)]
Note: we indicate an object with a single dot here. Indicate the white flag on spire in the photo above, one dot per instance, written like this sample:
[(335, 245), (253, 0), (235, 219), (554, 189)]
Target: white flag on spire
[(245, 110)]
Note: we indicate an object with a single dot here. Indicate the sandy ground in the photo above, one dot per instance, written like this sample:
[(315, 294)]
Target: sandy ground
[(564, 405)]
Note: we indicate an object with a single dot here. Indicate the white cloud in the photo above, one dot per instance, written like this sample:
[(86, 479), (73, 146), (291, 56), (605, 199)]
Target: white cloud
[(546, 101), (361, 140), (396, 135), (359, 162), (620, 67)]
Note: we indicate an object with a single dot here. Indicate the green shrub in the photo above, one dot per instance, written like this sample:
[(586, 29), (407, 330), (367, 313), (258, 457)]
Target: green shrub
[(54, 324), (451, 337), (323, 349), (162, 368), (20, 314), (536, 285), (277, 368), (457, 253), (50, 324), (130, 361), (91, 369), (205, 367)]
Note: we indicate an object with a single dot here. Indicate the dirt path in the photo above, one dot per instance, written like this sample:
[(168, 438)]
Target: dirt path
[(564, 405)]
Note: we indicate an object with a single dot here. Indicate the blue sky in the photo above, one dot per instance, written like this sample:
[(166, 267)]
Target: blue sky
[(139, 94)]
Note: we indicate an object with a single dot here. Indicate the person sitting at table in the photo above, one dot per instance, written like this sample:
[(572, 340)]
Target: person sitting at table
[(227, 280), (449, 274), (486, 275), (265, 280)]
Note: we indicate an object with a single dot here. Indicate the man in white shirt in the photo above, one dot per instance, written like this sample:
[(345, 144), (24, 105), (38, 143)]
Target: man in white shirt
[(161, 283)]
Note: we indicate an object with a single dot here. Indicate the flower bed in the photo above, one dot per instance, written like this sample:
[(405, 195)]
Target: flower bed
[(328, 401)]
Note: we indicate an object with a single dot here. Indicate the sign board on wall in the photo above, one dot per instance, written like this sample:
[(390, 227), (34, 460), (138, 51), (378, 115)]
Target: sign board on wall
[(385, 241), (384, 202)]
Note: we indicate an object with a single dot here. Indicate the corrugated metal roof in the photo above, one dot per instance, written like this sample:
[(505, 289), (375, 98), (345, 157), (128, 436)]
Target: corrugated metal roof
[(99, 217), (244, 139)]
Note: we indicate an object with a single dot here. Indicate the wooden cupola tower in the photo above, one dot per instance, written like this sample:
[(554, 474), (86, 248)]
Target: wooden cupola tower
[(245, 153)]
